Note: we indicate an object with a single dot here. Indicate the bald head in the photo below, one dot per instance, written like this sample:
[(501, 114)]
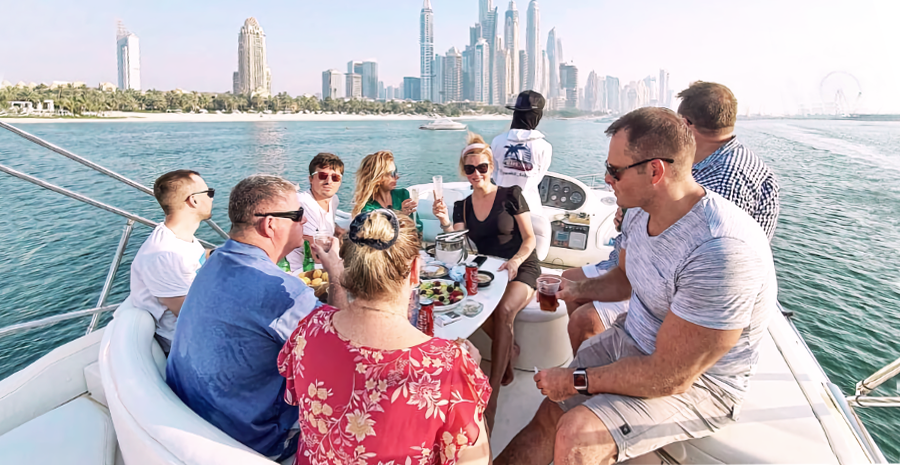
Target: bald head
[(653, 132)]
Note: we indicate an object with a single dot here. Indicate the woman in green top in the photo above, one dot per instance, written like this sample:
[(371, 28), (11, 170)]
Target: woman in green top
[(376, 187)]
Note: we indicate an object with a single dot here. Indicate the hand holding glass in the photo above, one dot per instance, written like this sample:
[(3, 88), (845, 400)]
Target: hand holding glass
[(438, 187)]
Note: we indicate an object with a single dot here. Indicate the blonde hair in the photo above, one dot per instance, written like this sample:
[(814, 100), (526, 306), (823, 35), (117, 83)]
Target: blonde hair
[(368, 178), (375, 274), (473, 138)]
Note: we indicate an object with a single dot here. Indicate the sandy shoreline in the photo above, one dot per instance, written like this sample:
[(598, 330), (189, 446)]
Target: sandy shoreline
[(129, 117)]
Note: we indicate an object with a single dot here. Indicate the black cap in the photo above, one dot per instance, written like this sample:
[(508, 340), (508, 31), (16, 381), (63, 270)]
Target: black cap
[(528, 100)]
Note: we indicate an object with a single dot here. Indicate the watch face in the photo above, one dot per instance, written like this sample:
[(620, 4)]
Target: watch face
[(580, 380)]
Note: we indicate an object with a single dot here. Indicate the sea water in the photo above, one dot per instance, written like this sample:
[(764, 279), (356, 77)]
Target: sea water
[(836, 247)]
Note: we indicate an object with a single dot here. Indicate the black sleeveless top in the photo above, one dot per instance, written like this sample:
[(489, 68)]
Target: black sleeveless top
[(498, 234)]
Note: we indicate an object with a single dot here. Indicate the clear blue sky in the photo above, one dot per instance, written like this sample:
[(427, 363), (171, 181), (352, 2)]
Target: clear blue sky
[(772, 53)]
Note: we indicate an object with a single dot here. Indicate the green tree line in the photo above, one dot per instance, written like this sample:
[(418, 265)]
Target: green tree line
[(80, 100)]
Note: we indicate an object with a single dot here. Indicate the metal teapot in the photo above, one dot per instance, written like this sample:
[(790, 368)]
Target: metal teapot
[(450, 247)]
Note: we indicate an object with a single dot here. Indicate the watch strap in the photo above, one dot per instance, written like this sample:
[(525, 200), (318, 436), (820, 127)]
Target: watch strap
[(583, 373)]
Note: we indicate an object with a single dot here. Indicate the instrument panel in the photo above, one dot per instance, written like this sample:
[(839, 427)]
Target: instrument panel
[(560, 193)]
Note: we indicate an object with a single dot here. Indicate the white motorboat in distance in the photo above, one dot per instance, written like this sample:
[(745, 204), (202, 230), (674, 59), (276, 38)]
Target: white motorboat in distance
[(444, 124)]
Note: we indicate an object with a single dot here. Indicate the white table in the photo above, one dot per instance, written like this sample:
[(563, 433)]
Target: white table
[(487, 296)]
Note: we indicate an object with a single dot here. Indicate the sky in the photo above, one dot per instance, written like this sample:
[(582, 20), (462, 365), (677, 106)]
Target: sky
[(774, 54)]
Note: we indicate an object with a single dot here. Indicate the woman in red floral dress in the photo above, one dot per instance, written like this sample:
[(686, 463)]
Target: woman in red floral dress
[(371, 388)]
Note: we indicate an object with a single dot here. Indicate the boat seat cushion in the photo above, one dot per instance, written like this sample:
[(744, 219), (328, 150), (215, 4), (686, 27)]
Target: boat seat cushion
[(80, 431)]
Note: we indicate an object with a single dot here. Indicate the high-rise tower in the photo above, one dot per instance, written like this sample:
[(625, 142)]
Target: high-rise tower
[(452, 76), (484, 7), (533, 47), (426, 48), (254, 75), (511, 38), (554, 55), (128, 55)]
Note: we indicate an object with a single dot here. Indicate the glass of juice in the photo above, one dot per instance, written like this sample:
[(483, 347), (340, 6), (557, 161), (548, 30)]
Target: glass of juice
[(547, 287)]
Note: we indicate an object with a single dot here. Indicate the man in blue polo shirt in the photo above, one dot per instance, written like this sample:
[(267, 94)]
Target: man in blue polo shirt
[(236, 317)]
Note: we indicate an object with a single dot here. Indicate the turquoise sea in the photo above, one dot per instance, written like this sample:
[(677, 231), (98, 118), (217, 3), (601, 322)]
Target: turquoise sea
[(837, 245)]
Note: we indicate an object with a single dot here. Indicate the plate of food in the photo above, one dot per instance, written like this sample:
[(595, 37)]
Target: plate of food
[(485, 278), (316, 279), (433, 271), (446, 294)]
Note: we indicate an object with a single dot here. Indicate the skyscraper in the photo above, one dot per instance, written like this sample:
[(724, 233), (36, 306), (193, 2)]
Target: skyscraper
[(544, 77), (437, 79), (452, 76), (426, 48), (613, 100), (652, 91), (533, 46), (481, 71), (254, 75), (354, 67), (501, 75), (412, 87), (592, 93), (553, 55), (511, 38), (353, 87), (332, 85), (664, 100), (523, 70), (568, 79), (484, 7), (370, 80), (128, 55), (467, 85)]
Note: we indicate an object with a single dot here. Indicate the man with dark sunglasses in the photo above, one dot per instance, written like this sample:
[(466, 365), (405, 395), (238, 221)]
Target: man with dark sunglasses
[(701, 280), (167, 262), (238, 314), (320, 202)]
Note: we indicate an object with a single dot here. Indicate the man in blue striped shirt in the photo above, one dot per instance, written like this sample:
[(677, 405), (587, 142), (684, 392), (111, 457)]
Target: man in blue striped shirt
[(722, 164)]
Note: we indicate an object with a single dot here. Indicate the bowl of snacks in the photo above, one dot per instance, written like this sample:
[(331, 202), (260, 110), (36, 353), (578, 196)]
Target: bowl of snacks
[(316, 279), (445, 293), (433, 271)]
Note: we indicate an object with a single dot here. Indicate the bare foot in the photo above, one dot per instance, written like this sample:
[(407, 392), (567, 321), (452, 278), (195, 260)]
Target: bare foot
[(509, 375)]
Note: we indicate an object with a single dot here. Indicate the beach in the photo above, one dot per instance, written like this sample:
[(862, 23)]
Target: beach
[(134, 117)]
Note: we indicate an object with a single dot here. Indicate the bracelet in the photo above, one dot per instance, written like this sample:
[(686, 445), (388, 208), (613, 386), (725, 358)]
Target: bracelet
[(445, 227)]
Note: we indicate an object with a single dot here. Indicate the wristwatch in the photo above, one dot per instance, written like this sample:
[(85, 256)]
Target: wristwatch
[(581, 381)]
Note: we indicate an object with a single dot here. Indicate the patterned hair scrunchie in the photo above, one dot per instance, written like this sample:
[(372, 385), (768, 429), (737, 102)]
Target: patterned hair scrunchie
[(357, 225)]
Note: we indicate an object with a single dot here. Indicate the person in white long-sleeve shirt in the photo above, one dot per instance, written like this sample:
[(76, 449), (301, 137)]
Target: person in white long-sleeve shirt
[(522, 155), (167, 262)]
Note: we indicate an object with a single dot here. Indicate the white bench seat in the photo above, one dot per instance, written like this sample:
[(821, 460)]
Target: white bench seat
[(79, 432)]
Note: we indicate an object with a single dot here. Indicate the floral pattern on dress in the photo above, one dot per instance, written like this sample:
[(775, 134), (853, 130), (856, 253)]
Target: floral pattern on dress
[(358, 405)]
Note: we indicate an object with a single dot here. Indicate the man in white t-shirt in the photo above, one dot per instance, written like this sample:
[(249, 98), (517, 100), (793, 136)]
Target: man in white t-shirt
[(522, 155), (320, 202), (165, 265)]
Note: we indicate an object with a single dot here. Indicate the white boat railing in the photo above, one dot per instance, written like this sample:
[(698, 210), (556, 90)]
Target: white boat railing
[(594, 181), (847, 404), (131, 218)]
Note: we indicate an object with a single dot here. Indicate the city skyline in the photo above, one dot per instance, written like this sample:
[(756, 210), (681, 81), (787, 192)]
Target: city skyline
[(778, 63)]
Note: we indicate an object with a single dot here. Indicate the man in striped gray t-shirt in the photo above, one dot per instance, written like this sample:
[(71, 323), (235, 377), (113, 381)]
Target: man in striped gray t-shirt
[(721, 164), (701, 281)]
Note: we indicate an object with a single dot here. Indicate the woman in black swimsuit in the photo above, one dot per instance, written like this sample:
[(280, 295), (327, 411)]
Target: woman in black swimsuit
[(499, 223)]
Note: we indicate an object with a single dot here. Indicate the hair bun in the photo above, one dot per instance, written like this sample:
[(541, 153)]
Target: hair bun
[(378, 229)]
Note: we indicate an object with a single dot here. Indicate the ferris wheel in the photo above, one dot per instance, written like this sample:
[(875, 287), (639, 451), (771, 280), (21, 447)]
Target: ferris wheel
[(841, 93)]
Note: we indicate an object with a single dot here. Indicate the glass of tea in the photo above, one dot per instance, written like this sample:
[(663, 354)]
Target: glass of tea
[(547, 287)]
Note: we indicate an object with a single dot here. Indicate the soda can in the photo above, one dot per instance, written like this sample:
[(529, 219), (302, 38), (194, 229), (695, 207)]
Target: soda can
[(472, 279), (426, 316)]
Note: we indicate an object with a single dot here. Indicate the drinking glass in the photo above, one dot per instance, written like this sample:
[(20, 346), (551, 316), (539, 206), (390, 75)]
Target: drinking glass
[(547, 287), (323, 240), (438, 187)]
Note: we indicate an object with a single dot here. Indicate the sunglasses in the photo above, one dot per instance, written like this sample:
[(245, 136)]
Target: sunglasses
[(394, 174), (615, 172), (293, 216), (323, 176), (470, 169), (210, 192)]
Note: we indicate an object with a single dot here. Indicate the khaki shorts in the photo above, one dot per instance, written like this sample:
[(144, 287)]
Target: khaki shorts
[(640, 425)]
